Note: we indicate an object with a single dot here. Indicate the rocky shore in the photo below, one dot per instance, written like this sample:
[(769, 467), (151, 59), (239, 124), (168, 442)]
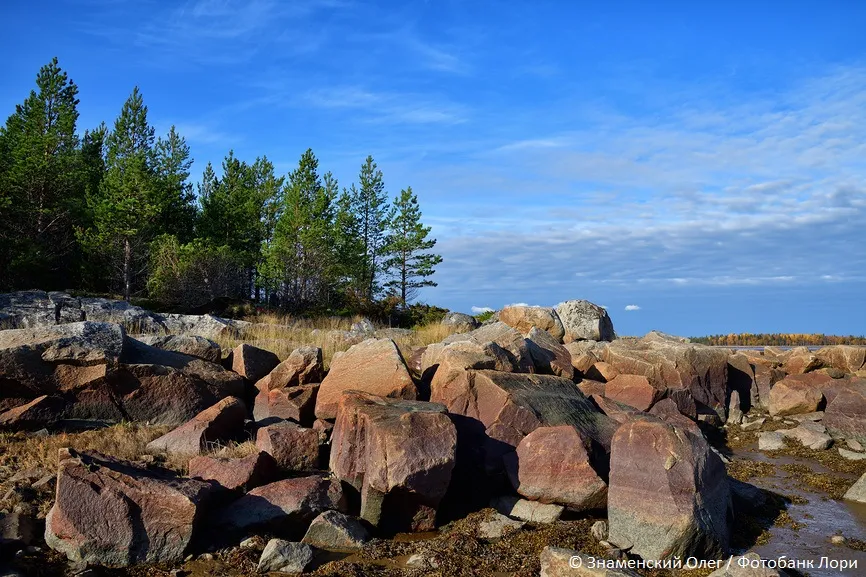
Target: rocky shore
[(508, 448)]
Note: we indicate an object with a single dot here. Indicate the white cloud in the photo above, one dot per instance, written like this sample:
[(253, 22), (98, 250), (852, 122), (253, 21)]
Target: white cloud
[(479, 310), (632, 307)]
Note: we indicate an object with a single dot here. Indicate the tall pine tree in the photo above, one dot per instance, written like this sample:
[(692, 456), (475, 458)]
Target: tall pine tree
[(370, 206), (41, 185), (408, 262)]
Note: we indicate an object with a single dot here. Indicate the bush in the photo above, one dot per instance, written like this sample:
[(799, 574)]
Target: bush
[(194, 274), (486, 315)]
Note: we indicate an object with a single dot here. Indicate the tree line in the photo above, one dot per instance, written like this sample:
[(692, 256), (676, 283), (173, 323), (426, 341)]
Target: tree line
[(114, 210), (777, 339)]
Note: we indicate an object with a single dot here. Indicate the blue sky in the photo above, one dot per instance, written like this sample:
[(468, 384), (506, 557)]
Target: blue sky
[(702, 162)]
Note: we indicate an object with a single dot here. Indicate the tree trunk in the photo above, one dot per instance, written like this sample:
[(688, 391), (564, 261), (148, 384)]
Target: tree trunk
[(127, 269)]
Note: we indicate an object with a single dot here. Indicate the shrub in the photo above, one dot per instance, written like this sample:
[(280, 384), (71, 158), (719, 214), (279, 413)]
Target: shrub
[(194, 274)]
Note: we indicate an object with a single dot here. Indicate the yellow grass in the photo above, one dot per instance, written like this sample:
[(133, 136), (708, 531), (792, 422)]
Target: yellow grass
[(282, 334), (128, 441)]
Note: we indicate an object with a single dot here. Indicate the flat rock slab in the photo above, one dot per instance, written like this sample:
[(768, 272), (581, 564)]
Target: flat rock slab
[(285, 507), (111, 512), (529, 511), (771, 441), (243, 474), (498, 525), (373, 366), (398, 454), (222, 422), (846, 413)]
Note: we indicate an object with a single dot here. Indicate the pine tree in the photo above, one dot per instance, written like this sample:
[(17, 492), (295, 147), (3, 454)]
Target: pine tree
[(301, 257), (41, 189), (174, 197), (408, 262), (370, 205), (127, 203)]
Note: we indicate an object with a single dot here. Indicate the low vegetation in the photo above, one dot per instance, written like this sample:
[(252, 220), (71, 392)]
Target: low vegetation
[(777, 339)]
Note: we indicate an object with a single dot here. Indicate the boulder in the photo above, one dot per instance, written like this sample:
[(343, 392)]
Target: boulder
[(846, 358), (336, 531), (303, 366), (845, 415), (552, 465), (242, 474), (668, 411), (765, 378), (208, 326), (618, 412), (524, 318), (39, 413), (633, 390), (506, 337), (671, 366), (559, 562), (16, 532), (55, 359), (222, 422), (193, 346), (466, 354), (771, 441), (528, 511), (801, 360), (796, 395), (284, 507), (601, 371), (294, 448), (111, 512), (460, 322), (583, 320), (811, 435), (668, 494), (548, 356), (293, 403), (589, 387), (281, 556), (398, 454), (373, 366), (253, 363), (735, 409), (509, 406)]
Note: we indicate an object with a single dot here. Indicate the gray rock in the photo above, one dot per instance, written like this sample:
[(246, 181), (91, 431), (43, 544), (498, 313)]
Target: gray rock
[(194, 346), (498, 525), (583, 320), (854, 444), (771, 441), (599, 530), (335, 530), (735, 413), (529, 511), (811, 435), (460, 321), (753, 425), (285, 557), (857, 492), (814, 416), (851, 455)]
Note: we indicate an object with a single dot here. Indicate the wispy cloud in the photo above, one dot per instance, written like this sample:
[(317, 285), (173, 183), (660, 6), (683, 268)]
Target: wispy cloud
[(479, 310), (632, 307)]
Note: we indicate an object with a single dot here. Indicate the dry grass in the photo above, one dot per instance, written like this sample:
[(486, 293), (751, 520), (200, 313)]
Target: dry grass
[(281, 335), (21, 452)]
